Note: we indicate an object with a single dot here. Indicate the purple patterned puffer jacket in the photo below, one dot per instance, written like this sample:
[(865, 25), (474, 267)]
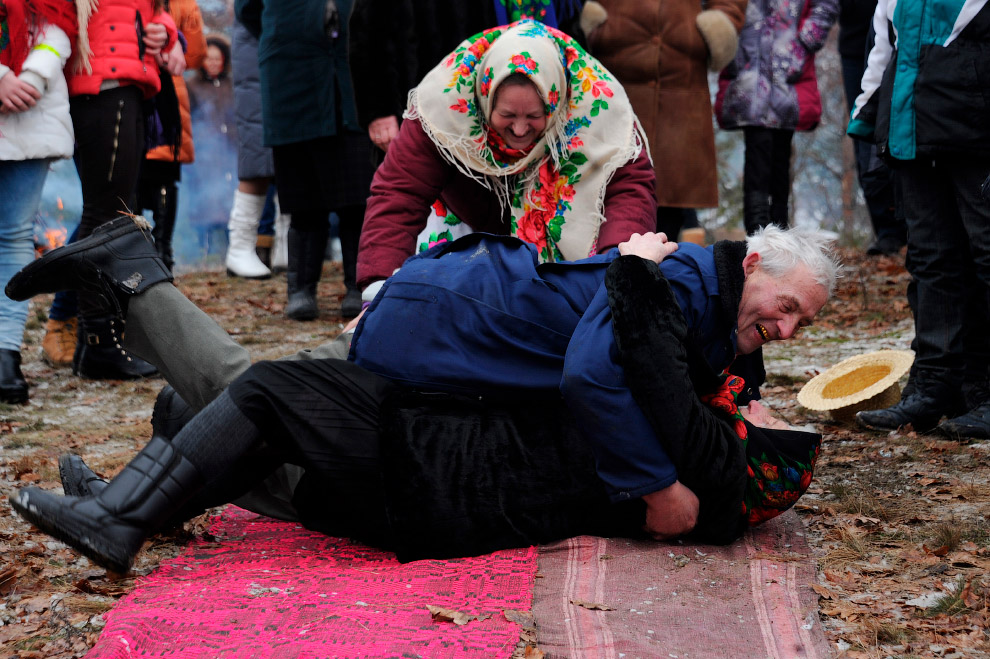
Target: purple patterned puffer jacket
[(771, 83)]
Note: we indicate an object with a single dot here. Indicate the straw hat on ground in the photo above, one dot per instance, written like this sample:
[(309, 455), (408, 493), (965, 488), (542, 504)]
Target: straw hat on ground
[(863, 382)]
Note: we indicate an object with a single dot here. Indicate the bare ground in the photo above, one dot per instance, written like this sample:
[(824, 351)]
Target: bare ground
[(898, 524)]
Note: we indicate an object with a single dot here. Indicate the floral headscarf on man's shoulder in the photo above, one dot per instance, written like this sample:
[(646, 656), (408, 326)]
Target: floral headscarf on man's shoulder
[(555, 191)]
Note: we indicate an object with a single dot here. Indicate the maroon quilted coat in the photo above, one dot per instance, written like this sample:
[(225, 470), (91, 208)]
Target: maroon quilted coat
[(415, 174)]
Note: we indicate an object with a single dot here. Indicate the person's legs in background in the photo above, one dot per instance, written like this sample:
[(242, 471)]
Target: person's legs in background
[(308, 233), (937, 239), (351, 221), (109, 129), (266, 228), (780, 177), (245, 215), (974, 210), (157, 191), (22, 181), (757, 169)]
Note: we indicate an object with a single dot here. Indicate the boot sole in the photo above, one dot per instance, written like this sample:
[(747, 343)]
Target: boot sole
[(919, 428), (23, 278), (231, 273), (85, 540)]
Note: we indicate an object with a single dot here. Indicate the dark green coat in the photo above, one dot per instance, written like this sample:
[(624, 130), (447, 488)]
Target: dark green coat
[(303, 71)]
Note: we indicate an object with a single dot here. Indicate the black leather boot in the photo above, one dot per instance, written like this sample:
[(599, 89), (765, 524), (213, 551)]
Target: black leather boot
[(164, 212), (756, 211), (922, 408), (99, 355), (116, 261), (13, 386), (351, 220), (974, 424), (306, 252), (110, 528)]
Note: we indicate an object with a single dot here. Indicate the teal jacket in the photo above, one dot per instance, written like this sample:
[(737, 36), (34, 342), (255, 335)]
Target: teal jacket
[(926, 90), (306, 90)]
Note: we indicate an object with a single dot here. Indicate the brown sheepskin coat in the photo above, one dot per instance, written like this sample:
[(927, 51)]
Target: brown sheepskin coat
[(654, 48)]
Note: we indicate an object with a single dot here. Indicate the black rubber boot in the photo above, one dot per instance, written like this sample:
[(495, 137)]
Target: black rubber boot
[(171, 413), (306, 252), (110, 528), (13, 386), (116, 261), (99, 355), (78, 480)]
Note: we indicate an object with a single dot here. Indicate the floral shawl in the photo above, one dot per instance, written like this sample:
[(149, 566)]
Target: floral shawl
[(780, 464), (555, 193)]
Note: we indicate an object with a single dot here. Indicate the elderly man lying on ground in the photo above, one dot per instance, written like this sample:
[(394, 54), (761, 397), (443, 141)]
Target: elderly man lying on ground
[(529, 456)]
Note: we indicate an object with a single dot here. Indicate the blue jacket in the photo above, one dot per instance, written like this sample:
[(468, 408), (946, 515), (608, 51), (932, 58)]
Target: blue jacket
[(513, 324)]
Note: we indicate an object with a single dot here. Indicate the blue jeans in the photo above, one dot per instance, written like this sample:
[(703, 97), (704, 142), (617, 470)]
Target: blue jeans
[(21, 181)]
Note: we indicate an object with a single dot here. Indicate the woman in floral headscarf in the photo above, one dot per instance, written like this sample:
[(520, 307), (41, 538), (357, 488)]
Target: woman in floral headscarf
[(520, 132)]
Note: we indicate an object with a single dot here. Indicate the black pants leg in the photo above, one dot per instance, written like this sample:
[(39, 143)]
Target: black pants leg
[(949, 260), (109, 129), (324, 416), (766, 177)]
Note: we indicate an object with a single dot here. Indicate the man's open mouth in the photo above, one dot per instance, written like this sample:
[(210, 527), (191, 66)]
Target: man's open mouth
[(763, 332)]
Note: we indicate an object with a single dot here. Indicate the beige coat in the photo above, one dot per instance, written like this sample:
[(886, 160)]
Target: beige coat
[(656, 50)]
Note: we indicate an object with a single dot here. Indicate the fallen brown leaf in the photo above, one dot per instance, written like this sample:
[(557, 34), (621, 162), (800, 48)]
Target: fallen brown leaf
[(595, 606), (440, 614)]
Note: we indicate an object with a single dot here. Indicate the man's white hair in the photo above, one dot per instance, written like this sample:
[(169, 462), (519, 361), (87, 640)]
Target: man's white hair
[(781, 250)]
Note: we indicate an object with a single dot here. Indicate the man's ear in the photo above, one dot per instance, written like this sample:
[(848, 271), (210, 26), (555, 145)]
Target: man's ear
[(751, 262)]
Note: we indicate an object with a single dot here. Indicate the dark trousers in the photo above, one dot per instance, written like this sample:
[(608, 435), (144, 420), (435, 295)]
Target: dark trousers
[(323, 415), (875, 178), (109, 129), (948, 225), (766, 177)]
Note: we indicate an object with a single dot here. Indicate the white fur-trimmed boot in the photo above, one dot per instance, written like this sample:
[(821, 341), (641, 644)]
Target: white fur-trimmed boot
[(242, 260)]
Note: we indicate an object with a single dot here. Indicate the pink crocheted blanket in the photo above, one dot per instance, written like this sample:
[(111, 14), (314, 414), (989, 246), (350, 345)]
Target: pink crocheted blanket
[(274, 589)]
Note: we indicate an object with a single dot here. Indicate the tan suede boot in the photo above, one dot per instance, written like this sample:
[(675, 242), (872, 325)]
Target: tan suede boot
[(59, 343)]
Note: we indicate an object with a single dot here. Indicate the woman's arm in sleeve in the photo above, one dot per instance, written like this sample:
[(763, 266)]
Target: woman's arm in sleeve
[(402, 191), (630, 203), (47, 59)]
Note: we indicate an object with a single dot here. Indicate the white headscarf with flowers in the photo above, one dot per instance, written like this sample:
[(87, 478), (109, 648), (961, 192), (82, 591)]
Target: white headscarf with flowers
[(555, 192)]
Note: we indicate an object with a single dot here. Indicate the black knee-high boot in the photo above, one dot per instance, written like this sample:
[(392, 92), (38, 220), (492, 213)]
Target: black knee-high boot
[(164, 210), (351, 220), (110, 528), (306, 251)]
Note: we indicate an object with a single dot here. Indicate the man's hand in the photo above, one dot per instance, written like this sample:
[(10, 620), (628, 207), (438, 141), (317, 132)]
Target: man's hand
[(650, 246), (383, 130), (174, 61), (155, 38), (16, 95), (671, 512)]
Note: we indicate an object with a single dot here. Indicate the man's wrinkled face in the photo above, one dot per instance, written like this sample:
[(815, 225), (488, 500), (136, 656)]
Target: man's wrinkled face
[(774, 309)]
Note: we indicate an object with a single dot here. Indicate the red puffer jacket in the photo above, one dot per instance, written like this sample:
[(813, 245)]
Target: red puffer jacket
[(114, 34)]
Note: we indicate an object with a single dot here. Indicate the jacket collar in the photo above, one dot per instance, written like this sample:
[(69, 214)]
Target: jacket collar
[(729, 255)]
